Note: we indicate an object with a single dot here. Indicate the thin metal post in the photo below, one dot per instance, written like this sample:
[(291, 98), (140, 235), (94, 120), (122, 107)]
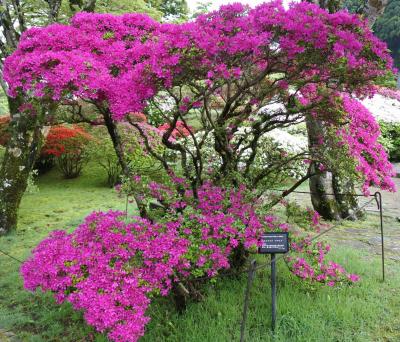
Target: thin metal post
[(378, 197), (273, 291), (126, 207), (250, 278)]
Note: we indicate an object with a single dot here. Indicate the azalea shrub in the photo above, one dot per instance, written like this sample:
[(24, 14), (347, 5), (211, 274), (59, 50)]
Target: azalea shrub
[(111, 266), (361, 139), (297, 215), (240, 74), (69, 147), (389, 92)]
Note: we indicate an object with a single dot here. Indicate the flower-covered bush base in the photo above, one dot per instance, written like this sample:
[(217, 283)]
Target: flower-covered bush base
[(112, 266)]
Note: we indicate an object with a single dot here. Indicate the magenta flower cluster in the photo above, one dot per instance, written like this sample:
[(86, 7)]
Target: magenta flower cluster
[(307, 259), (360, 137), (109, 269), (111, 266), (388, 92), (124, 60), (313, 266)]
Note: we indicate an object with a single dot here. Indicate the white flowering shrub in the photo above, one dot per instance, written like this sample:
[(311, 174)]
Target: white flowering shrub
[(273, 146), (383, 108)]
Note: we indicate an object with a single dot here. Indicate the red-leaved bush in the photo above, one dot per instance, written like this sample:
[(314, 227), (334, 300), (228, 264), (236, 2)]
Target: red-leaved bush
[(4, 136), (181, 129), (68, 146), (65, 140)]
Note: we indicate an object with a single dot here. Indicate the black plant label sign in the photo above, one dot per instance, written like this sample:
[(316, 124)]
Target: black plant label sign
[(272, 243)]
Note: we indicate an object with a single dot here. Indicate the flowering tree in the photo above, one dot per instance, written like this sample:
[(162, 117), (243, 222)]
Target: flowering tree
[(25, 131), (267, 67), (239, 73)]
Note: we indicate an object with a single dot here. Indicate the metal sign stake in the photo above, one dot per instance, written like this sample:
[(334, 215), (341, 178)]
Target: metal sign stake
[(273, 243), (273, 291), (378, 198)]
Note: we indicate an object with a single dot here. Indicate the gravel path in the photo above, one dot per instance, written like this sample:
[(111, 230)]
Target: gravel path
[(390, 200), (365, 234)]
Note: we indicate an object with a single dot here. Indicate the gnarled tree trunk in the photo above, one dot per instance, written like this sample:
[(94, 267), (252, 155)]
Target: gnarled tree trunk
[(21, 152), (322, 195), (117, 143), (321, 185), (332, 196)]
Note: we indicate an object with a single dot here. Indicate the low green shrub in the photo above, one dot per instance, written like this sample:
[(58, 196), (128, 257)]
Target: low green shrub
[(390, 139), (101, 151)]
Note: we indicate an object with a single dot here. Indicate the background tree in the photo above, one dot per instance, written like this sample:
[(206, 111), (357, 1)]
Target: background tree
[(173, 10), (26, 123), (111, 6), (202, 7), (26, 132), (169, 10)]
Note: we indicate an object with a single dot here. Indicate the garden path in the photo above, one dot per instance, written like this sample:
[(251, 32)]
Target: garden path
[(7, 336), (365, 234)]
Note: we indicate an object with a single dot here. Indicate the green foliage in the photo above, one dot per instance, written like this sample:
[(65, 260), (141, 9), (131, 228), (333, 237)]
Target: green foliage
[(113, 6), (154, 116), (387, 81), (2, 151), (3, 103), (173, 10), (201, 8), (167, 10), (101, 151), (139, 160), (387, 27), (390, 139), (31, 186), (299, 216), (355, 6)]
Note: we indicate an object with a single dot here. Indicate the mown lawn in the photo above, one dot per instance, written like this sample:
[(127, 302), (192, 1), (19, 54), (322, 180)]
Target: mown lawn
[(368, 311)]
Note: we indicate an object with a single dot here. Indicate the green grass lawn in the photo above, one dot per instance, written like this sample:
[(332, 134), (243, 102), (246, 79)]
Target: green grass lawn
[(367, 311)]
